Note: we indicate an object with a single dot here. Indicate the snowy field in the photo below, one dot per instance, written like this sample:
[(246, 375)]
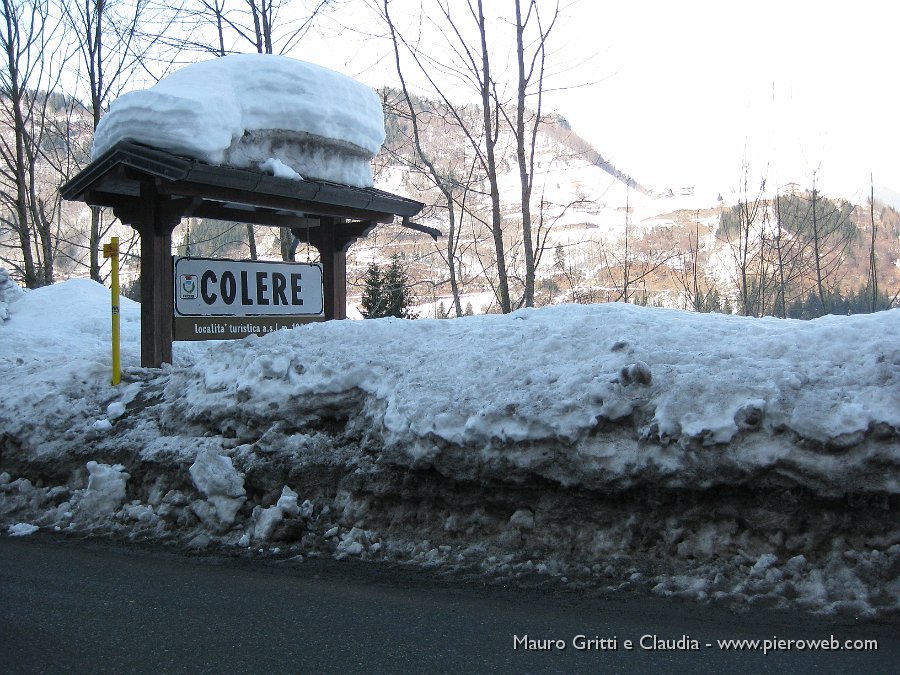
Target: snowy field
[(609, 447)]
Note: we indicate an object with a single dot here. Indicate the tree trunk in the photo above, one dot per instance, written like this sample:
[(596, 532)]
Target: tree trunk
[(873, 269), (251, 241), (94, 244), (490, 141), (782, 303), (451, 256), (524, 179), (16, 96), (817, 260)]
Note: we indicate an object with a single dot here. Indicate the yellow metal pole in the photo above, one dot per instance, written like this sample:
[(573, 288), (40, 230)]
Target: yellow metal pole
[(111, 251)]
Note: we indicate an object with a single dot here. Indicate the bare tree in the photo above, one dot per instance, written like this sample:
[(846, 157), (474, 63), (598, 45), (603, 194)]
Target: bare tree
[(114, 42), (639, 260), (830, 236), (747, 249), (265, 26), (455, 185), (31, 41), (702, 294), (472, 67), (526, 73), (872, 282)]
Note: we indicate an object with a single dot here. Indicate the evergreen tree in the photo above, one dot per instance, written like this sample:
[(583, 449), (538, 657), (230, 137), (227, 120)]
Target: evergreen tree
[(397, 290), (387, 292), (372, 299)]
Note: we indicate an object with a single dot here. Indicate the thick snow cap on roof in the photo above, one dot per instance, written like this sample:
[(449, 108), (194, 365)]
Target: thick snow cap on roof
[(244, 109)]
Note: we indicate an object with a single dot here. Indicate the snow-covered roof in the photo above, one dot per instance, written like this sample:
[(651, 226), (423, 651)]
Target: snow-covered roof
[(246, 109), (114, 180)]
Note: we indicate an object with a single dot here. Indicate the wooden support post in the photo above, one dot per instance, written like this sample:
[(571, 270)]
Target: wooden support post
[(332, 239), (155, 217), (157, 299), (340, 284), (334, 268)]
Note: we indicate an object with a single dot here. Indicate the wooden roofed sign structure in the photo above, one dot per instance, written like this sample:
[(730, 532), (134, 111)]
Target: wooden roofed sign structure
[(152, 190)]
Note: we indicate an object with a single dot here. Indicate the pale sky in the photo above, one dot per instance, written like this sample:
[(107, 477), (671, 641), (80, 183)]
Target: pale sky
[(683, 93), (795, 87)]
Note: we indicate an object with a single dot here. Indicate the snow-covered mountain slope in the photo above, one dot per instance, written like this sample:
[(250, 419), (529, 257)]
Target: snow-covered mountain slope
[(706, 456)]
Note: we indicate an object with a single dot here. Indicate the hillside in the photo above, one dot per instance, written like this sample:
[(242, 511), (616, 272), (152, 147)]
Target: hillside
[(601, 235)]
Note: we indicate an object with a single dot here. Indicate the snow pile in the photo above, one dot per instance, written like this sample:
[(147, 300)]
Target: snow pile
[(705, 456), (9, 291), (247, 109), (279, 169), (686, 384)]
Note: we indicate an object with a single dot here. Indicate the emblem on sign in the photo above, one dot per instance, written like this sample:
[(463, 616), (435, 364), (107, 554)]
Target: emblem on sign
[(187, 286)]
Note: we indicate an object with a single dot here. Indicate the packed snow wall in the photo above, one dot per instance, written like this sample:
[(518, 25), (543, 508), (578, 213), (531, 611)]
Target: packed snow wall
[(606, 447), (255, 111)]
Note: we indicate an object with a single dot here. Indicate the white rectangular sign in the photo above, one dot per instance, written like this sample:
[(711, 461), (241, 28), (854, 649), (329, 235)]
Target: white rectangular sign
[(219, 287)]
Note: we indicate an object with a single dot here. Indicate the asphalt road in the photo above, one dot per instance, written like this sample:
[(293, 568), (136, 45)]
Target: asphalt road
[(89, 607)]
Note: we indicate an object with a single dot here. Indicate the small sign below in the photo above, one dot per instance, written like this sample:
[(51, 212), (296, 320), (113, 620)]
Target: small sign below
[(234, 327)]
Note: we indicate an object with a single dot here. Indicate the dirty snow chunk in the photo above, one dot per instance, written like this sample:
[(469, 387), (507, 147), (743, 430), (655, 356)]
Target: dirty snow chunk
[(266, 522), (105, 489), (199, 542), (331, 532), (288, 502), (638, 372), (22, 529), (243, 109), (351, 548), (115, 410), (9, 291), (268, 519), (353, 542), (765, 562), (279, 169), (218, 513), (523, 519), (139, 512), (244, 541), (102, 425), (215, 476)]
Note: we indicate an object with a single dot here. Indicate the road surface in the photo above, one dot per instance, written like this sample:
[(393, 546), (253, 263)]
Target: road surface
[(92, 607)]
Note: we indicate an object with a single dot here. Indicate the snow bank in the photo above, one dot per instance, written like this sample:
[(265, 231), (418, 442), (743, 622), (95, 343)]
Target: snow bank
[(686, 384), (703, 456), (245, 110)]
